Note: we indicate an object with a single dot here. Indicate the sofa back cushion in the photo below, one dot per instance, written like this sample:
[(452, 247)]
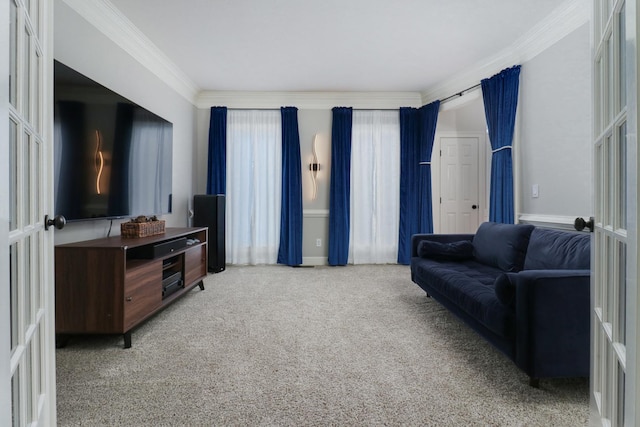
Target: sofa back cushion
[(558, 250), (502, 245)]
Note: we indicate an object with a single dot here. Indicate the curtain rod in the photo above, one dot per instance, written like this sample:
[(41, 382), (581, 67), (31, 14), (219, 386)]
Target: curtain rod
[(459, 93), (277, 109)]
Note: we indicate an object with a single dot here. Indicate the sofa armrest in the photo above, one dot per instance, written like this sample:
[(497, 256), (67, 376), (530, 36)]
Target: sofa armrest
[(552, 322), (441, 238)]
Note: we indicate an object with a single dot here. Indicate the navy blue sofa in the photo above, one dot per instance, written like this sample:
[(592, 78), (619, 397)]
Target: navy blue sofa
[(525, 289)]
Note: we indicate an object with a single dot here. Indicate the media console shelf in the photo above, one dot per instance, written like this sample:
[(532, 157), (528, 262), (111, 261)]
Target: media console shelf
[(111, 285)]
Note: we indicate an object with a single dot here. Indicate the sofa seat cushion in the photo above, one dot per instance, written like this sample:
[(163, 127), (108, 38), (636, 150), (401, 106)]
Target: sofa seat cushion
[(470, 286)]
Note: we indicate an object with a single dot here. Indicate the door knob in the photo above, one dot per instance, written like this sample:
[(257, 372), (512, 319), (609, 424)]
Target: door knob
[(580, 224), (474, 206), (58, 222)]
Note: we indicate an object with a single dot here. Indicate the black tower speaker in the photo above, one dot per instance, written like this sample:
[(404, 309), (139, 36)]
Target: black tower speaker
[(208, 211)]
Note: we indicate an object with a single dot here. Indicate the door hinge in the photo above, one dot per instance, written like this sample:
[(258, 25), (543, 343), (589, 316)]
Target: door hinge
[(440, 200)]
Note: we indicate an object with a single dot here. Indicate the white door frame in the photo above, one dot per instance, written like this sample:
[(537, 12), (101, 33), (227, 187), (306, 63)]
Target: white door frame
[(484, 165), (5, 376), (614, 312), (31, 356)]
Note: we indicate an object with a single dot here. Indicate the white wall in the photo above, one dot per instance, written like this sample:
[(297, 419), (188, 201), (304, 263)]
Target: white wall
[(553, 131), (81, 46), (554, 143)]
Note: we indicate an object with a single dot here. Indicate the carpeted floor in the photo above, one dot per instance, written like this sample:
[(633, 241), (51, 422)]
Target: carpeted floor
[(281, 346)]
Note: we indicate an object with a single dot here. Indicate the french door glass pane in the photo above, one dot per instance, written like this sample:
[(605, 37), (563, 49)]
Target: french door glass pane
[(597, 357), (26, 178), (622, 65), (13, 175), (622, 292), (37, 153), (37, 273), (13, 53), (26, 80), (13, 290), (27, 283), (28, 371), (35, 17), (621, 167), (610, 79), (610, 282), (37, 101), (607, 187), (620, 396), (606, 381), (599, 91), (15, 399), (36, 346)]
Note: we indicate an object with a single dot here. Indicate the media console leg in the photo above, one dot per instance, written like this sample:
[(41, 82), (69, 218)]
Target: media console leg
[(201, 284), (127, 339)]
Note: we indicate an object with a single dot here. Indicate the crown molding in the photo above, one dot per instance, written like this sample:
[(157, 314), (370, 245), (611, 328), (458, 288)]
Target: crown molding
[(309, 100), (103, 15), (564, 20)]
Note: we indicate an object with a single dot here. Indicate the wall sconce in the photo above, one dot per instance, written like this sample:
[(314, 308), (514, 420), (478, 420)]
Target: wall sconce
[(98, 161), (314, 167)]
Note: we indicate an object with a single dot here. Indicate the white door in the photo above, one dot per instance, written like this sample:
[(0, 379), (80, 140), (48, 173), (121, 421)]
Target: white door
[(27, 269), (459, 184), (614, 370)]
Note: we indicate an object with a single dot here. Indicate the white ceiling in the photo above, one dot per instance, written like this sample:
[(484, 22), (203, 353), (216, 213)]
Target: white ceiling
[(330, 45)]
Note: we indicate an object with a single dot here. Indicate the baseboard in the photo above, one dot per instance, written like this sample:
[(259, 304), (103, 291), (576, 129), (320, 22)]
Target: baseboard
[(314, 260), (558, 222)]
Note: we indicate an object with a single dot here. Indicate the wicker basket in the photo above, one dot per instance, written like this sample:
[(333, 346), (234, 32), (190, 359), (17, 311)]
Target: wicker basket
[(141, 229)]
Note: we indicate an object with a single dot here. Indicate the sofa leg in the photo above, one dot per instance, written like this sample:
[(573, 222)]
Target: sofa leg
[(534, 382), (428, 296)]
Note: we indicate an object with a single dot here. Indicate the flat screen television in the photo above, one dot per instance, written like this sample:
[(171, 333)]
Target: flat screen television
[(112, 158)]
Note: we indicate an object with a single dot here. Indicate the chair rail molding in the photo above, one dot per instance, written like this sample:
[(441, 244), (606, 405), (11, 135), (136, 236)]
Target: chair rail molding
[(559, 222), (315, 213)]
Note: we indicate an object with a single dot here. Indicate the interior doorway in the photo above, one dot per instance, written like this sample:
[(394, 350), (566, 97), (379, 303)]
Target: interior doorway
[(459, 182)]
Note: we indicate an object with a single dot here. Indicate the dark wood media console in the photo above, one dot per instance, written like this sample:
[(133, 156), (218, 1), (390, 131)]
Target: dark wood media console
[(110, 285)]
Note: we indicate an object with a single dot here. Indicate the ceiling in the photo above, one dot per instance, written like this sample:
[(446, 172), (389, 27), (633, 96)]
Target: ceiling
[(330, 45)]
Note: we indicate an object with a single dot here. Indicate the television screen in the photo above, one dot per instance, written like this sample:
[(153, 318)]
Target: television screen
[(113, 158)]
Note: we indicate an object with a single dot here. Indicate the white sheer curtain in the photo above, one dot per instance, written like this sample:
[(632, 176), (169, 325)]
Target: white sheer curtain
[(254, 178), (375, 187)]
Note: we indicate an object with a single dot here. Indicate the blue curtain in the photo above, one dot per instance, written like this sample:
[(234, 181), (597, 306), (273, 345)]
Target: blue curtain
[(500, 95), (428, 118), (417, 131), (409, 172), (217, 157), (290, 250), (339, 187)]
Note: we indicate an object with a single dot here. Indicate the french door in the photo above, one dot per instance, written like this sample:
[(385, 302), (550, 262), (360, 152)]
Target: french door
[(614, 374), (29, 248)]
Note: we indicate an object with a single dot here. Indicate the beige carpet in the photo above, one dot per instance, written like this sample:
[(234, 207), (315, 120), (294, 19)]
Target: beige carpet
[(281, 346)]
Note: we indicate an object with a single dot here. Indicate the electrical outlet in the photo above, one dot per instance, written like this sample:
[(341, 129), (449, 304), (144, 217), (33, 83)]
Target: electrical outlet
[(318, 243)]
